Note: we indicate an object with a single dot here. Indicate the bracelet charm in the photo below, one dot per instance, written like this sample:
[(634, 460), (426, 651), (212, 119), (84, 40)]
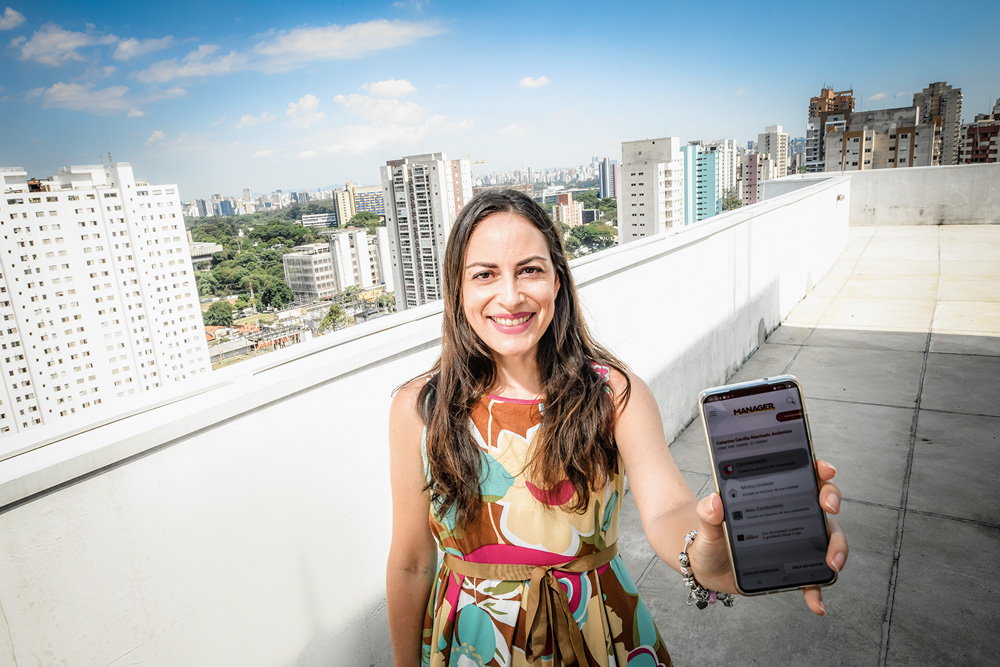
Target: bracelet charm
[(701, 596)]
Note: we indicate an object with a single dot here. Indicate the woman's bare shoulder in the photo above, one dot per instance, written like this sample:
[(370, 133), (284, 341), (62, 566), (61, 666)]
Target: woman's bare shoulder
[(405, 406)]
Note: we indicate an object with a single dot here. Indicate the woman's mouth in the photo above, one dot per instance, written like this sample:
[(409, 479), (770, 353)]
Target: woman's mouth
[(513, 323)]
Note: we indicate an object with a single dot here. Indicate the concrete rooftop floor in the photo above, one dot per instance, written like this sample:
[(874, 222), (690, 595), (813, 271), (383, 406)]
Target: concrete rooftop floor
[(898, 350)]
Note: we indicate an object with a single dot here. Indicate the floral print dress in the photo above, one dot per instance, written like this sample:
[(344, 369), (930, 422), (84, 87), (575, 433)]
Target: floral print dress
[(483, 622)]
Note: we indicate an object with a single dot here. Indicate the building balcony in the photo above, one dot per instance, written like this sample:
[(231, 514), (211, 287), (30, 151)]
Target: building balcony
[(243, 518)]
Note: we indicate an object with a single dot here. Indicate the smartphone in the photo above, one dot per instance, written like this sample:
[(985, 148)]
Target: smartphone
[(764, 470)]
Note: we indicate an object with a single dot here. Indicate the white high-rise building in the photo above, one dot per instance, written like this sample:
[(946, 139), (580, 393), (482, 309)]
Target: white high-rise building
[(423, 194), (97, 295), (652, 188), (774, 143), (352, 265)]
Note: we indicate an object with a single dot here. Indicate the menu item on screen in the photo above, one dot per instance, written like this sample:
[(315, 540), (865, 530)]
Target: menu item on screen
[(762, 459)]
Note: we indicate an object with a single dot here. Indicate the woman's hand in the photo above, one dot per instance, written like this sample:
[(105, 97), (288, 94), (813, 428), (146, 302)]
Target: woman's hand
[(710, 557)]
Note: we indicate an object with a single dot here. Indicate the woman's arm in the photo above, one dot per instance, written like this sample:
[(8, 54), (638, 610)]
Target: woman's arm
[(412, 562), (668, 509)]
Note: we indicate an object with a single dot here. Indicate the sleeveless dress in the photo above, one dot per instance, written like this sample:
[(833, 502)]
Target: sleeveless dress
[(483, 622)]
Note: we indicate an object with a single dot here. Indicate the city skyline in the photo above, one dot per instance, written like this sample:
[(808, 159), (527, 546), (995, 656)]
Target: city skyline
[(222, 97)]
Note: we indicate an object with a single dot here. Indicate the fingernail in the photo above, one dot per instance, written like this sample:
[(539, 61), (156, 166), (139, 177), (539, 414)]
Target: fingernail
[(833, 468), (833, 504), (838, 562), (822, 609)]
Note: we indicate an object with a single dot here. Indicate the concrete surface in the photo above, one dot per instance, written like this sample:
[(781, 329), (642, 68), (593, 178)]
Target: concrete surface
[(898, 350)]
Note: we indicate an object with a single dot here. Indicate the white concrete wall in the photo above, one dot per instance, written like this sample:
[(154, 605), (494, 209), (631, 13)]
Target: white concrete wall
[(950, 195), (247, 521)]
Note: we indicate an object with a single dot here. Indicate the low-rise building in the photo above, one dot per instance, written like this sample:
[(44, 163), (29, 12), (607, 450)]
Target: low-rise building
[(309, 272)]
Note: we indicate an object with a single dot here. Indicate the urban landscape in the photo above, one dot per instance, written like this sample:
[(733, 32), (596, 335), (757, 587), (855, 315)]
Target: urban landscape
[(189, 361)]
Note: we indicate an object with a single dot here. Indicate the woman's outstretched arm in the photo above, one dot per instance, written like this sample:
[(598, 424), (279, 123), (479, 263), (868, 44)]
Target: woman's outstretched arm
[(412, 561), (668, 509)]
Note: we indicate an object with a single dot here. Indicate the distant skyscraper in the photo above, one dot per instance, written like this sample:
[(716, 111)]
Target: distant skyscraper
[(608, 179), (774, 143), (828, 103), (941, 104), (652, 188), (755, 168), (423, 194), (97, 293)]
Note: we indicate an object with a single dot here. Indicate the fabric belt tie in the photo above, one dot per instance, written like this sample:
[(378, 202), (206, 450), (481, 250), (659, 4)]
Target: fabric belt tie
[(548, 604)]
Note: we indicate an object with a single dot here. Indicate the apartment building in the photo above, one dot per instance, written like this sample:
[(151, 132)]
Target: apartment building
[(755, 168), (652, 188), (567, 211), (97, 293), (825, 107), (941, 105), (423, 194), (368, 198), (883, 139), (773, 142)]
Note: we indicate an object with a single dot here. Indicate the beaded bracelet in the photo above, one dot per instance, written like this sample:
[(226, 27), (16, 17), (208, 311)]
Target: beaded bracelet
[(701, 596)]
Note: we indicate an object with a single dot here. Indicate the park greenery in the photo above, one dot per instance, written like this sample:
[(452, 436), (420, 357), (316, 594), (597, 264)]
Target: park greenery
[(252, 248)]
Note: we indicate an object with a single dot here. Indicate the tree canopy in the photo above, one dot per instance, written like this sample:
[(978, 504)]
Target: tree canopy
[(219, 314)]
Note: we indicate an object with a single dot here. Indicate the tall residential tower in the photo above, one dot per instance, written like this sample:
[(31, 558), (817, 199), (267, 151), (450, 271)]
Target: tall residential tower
[(97, 294), (652, 188), (423, 194)]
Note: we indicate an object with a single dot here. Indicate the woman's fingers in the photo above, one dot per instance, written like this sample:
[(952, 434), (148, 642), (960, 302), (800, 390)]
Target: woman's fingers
[(814, 600), (836, 555)]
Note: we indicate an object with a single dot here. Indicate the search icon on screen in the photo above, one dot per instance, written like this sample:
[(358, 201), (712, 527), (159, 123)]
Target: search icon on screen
[(789, 399)]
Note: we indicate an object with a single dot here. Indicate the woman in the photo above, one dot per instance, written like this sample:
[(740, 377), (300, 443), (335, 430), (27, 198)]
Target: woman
[(548, 421)]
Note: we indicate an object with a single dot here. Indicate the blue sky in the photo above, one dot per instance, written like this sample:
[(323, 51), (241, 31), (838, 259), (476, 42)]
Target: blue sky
[(300, 95)]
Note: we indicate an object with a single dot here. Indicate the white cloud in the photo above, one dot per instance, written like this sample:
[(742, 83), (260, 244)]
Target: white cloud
[(267, 152), (740, 91), (131, 47), (305, 112), (876, 97), (10, 19), (85, 97), (286, 49), (514, 130), (383, 111), (51, 45), (156, 137), (532, 82), (305, 155), (197, 63), (250, 121), (82, 97), (898, 95), (390, 88)]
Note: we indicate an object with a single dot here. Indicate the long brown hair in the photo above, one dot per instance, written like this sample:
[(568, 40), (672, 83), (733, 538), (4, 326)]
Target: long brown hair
[(575, 440)]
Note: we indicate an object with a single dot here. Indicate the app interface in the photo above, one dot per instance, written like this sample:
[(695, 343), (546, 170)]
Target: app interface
[(768, 487)]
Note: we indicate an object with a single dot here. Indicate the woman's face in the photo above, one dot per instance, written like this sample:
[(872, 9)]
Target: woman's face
[(509, 285)]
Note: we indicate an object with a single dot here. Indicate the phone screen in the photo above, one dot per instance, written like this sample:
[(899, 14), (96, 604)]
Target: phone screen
[(764, 468)]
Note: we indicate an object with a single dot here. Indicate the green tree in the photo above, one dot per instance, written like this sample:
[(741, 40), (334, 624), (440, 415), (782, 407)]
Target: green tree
[(364, 219), (276, 294), (335, 319), (588, 199), (219, 314), (595, 235), (731, 199), (571, 244)]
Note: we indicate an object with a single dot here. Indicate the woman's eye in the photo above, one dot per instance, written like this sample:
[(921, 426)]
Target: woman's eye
[(482, 275), (531, 270)]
